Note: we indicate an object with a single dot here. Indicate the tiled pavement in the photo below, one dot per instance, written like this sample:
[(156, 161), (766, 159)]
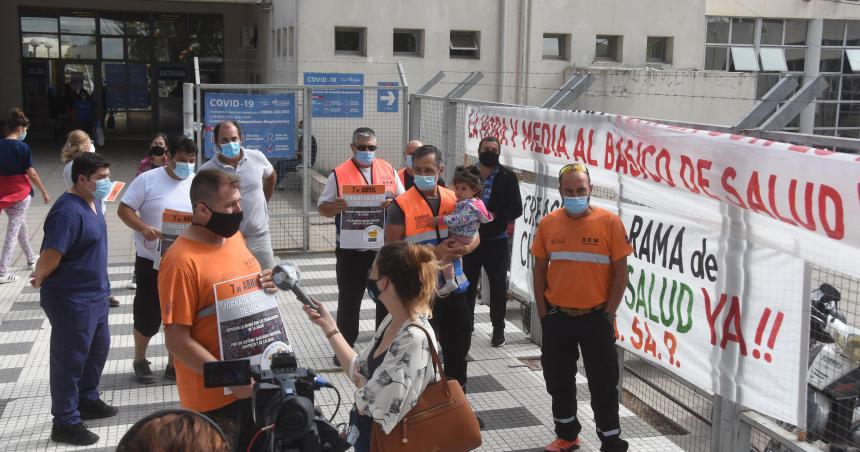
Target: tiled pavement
[(508, 396)]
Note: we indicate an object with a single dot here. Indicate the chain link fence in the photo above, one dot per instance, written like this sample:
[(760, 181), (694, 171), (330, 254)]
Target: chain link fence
[(677, 409), (335, 112)]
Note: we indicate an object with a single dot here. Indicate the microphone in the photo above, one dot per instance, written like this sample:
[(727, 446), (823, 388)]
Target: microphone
[(286, 277)]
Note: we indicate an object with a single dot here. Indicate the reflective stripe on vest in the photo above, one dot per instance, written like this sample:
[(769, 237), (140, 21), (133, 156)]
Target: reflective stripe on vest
[(429, 236), (593, 258)]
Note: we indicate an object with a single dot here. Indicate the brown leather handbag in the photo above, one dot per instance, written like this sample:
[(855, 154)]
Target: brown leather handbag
[(442, 420)]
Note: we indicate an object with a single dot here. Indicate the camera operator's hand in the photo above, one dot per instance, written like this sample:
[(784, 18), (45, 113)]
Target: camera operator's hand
[(244, 391), (323, 318), (266, 282)]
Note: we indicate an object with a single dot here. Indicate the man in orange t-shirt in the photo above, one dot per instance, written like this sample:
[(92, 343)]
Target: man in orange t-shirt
[(210, 251), (579, 278)]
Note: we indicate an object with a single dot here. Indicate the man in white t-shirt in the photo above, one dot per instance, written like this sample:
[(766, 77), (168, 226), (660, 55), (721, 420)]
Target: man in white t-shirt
[(256, 184), (141, 209)]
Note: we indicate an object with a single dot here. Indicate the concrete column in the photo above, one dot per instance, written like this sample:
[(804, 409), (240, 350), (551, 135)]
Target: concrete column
[(813, 62)]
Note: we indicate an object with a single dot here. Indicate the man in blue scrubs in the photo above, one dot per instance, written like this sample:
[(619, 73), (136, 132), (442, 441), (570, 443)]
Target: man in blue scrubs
[(72, 275)]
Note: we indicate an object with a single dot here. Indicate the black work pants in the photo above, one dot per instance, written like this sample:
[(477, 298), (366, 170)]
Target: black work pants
[(492, 255), (451, 323), (352, 268), (563, 338)]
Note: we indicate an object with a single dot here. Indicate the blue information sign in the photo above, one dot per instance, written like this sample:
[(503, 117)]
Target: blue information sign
[(387, 100), (336, 103), (268, 121)]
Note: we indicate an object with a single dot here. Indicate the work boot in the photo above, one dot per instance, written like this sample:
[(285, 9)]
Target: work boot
[(498, 337), (562, 445), (613, 444), (76, 434), (96, 410), (142, 372)]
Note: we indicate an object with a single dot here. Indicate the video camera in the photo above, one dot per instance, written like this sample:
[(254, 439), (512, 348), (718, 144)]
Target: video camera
[(283, 403)]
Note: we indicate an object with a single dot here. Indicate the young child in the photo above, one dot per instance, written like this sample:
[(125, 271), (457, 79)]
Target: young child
[(463, 224)]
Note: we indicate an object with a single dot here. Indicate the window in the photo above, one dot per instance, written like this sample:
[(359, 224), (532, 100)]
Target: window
[(718, 30), (659, 50), (112, 48), (771, 31), (716, 58), (555, 46), (78, 25), (112, 27), (290, 41), (607, 48), (39, 24), (279, 42), (465, 44), (853, 56), (852, 32), (408, 42), (743, 30), (772, 59), (349, 41), (78, 47), (273, 44), (795, 59), (39, 46), (795, 32), (825, 114), (743, 59), (831, 60), (833, 33)]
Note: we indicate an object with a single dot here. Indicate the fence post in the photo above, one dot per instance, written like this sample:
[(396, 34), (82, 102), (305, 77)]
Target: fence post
[(449, 134), (188, 109), (307, 146), (414, 118)]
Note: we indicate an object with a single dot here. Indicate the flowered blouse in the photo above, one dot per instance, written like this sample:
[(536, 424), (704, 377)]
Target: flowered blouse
[(406, 370)]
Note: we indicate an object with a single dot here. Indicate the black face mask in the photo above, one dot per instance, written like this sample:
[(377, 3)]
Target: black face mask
[(157, 151), (488, 158), (224, 224), (373, 289)]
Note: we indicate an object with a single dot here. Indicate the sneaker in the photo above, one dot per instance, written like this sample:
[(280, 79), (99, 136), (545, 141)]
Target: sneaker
[(76, 434), (450, 286), (613, 444), (133, 283), (31, 265), (142, 372), (113, 301), (97, 410), (498, 338), (6, 278), (562, 445), (170, 372)]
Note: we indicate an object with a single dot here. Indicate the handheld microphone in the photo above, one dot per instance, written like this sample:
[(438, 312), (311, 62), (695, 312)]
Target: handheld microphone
[(286, 276)]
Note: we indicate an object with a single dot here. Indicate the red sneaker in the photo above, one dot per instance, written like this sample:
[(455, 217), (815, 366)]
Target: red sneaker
[(562, 445)]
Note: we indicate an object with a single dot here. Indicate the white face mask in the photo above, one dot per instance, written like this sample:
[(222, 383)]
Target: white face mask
[(92, 148)]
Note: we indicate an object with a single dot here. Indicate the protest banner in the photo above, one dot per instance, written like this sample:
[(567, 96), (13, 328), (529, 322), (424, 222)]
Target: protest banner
[(362, 223), (677, 313), (801, 201), (249, 322), (173, 224)]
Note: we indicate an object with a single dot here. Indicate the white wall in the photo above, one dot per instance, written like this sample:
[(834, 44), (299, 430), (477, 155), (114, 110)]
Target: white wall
[(787, 9), (708, 97)]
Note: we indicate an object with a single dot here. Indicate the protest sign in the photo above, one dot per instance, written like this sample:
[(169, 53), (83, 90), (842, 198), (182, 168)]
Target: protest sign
[(362, 223), (115, 189), (248, 320), (173, 224)]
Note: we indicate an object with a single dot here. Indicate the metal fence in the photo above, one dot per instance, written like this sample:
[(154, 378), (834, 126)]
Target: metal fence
[(691, 417), (294, 223)]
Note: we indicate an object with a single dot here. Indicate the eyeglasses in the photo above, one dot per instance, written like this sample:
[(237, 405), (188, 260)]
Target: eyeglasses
[(573, 168), (486, 149), (366, 147)]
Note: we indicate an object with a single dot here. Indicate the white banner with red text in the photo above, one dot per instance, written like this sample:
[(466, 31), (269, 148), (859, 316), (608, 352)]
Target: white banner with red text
[(798, 200), (678, 311)]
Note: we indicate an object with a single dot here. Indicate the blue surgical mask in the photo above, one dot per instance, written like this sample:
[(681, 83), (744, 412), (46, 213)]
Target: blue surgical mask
[(425, 183), (364, 157), (409, 161), (23, 135), (183, 170), (575, 205), (231, 150), (102, 188)]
